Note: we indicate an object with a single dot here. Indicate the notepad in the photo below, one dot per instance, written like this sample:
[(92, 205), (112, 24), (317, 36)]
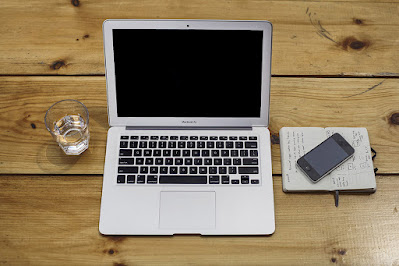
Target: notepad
[(355, 175)]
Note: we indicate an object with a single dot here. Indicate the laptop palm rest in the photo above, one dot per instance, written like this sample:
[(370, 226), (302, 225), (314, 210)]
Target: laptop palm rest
[(187, 210)]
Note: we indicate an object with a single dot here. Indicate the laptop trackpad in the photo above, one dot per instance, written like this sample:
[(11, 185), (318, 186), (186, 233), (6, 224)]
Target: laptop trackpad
[(187, 210)]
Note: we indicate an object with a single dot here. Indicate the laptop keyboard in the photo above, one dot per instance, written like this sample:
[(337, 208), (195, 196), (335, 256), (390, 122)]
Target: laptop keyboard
[(213, 160)]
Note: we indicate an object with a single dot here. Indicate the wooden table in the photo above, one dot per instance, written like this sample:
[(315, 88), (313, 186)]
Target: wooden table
[(334, 64)]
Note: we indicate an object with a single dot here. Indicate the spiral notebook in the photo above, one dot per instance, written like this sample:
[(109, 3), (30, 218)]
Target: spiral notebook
[(355, 175)]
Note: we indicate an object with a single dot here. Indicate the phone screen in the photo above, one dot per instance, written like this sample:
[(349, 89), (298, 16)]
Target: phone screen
[(325, 157)]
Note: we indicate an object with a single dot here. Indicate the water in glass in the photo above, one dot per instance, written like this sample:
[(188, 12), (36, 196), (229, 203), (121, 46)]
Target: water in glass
[(72, 134)]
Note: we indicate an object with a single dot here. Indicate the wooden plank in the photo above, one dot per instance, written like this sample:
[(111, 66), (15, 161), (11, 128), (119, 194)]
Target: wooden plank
[(310, 38), (27, 147), (51, 220)]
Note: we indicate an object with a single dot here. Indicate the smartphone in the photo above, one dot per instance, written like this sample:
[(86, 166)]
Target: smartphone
[(325, 157)]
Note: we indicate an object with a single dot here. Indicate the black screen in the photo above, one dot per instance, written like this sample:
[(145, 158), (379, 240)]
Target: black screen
[(188, 73), (326, 156)]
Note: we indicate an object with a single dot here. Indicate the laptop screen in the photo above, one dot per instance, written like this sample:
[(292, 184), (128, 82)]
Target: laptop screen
[(188, 73)]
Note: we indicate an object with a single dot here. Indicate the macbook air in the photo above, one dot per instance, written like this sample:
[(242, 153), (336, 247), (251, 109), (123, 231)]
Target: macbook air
[(188, 149)]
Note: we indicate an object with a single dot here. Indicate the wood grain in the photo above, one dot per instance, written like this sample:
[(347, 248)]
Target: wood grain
[(55, 218), (355, 38), (27, 147)]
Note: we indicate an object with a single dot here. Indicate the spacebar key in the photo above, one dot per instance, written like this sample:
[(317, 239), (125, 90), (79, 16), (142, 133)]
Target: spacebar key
[(182, 179)]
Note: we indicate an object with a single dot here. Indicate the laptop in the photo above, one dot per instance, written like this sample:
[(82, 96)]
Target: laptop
[(188, 149)]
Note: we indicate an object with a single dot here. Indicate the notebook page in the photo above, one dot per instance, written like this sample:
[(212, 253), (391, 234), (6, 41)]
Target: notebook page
[(358, 172), (294, 143)]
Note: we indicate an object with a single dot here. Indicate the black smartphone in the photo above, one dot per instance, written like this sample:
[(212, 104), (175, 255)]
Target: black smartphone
[(325, 157)]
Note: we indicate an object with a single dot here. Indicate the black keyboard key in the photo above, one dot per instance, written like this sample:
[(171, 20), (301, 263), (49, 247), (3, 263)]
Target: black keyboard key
[(120, 179), (124, 137), (190, 144), (207, 161), (193, 170), (154, 137), (253, 153), (182, 179), (183, 137), (222, 170), (205, 153), (254, 181), (143, 144), (157, 153), (243, 138), (213, 170), (217, 161), (232, 170), (244, 179), (173, 170), (232, 138), (144, 137), (193, 138), (153, 170), (225, 153), (244, 153), (139, 161), (125, 152), (163, 170), (168, 161), (219, 144), (131, 179), (198, 161), (181, 145), (201, 144), (162, 144), (227, 161), (134, 137), (140, 179), (210, 144), (172, 144), (239, 144), (196, 153), (186, 153), (223, 138), (124, 161), (203, 138), (252, 161), (159, 161), (138, 153), (253, 138), (123, 144), (176, 153), (128, 169), (235, 181), (152, 144), (134, 144), (213, 138), (234, 153), (215, 153), (225, 179), (144, 170), (164, 137), (152, 179), (174, 137), (147, 153), (248, 170), (179, 161), (188, 161), (214, 179), (251, 145), (237, 161), (203, 170), (229, 144), (167, 153)]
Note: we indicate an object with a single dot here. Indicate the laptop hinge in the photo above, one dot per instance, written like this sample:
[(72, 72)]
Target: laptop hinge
[(187, 128)]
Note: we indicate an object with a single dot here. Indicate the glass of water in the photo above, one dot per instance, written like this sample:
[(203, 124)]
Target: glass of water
[(68, 123)]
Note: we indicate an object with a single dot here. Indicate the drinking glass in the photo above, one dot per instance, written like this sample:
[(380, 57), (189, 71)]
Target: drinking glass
[(68, 123)]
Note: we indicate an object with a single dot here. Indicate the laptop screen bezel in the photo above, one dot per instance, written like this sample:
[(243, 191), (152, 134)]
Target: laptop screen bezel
[(216, 122)]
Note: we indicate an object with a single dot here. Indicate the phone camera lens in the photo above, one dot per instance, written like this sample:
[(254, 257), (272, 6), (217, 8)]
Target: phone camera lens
[(307, 168)]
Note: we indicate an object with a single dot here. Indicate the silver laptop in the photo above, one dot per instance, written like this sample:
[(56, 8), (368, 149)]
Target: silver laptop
[(188, 149)]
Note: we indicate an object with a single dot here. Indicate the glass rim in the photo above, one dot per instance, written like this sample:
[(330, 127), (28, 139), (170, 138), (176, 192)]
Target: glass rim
[(84, 106)]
